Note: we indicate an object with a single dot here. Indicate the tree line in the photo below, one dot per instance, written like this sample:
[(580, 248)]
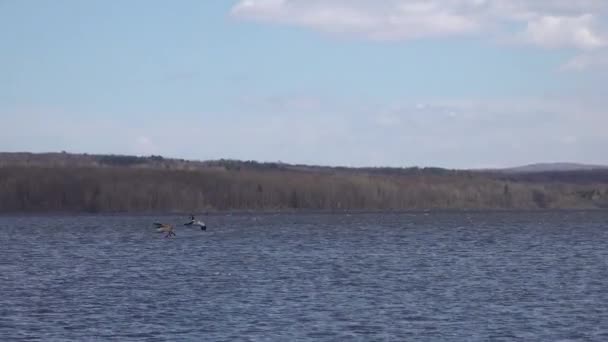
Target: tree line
[(233, 186)]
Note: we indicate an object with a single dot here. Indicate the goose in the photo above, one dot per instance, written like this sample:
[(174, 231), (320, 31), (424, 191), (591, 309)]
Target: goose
[(195, 222), (165, 228)]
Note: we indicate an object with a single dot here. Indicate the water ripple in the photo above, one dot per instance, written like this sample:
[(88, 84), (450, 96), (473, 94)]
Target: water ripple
[(365, 277)]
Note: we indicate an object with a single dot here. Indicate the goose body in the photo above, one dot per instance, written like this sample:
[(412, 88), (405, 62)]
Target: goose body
[(165, 228), (196, 223)]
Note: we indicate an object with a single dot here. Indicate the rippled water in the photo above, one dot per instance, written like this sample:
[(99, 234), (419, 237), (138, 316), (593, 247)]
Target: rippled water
[(360, 277)]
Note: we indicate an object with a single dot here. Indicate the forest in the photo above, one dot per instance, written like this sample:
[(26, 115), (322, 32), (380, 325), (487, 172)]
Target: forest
[(64, 182)]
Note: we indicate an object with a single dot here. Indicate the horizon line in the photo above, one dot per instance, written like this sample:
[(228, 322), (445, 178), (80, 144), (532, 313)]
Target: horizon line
[(170, 158)]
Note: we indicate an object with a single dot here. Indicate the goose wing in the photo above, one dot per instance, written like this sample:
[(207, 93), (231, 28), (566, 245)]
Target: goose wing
[(202, 225), (163, 227)]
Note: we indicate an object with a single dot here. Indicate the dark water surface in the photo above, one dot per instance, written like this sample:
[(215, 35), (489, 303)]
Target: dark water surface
[(362, 277)]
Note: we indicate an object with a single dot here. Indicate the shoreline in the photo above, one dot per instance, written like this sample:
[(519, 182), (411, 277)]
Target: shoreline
[(302, 212)]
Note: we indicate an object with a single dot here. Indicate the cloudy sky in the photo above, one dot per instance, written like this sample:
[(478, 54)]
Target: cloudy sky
[(451, 83)]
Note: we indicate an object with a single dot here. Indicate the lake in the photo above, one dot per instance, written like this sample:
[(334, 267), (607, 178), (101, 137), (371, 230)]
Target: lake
[(439, 276)]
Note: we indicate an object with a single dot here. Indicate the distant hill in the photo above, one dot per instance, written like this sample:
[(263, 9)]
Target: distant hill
[(553, 167), (64, 159)]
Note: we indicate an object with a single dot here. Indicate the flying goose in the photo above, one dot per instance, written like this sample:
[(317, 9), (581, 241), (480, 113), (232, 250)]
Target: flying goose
[(195, 222), (165, 228)]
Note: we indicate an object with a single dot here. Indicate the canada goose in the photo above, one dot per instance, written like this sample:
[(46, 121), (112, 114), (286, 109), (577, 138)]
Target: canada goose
[(195, 222), (165, 228)]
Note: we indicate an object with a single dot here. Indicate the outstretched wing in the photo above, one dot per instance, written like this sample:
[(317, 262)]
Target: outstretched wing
[(163, 227), (201, 224)]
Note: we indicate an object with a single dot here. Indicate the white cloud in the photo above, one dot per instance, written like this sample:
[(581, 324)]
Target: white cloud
[(587, 61), (546, 23), (441, 132), (143, 146), (391, 20), (556, 32)]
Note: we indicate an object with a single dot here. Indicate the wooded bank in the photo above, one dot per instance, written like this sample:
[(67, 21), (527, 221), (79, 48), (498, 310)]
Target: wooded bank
[(85, 183)]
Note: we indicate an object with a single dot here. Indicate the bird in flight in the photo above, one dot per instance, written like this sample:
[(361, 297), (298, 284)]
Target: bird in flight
[(196, 223), (165, 228)]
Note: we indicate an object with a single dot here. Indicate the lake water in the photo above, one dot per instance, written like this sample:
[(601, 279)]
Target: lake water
[(307, 277)]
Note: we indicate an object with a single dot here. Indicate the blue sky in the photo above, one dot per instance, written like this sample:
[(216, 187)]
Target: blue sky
[(452, 83)]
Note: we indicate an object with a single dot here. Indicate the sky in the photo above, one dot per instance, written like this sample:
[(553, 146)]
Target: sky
[(447, 83)]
